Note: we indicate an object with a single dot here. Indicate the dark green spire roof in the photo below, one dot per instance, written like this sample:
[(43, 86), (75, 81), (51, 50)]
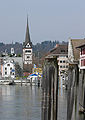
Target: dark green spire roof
[(27, 37)]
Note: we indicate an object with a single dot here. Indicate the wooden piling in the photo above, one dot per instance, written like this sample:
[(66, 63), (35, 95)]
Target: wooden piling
[(50, 90)]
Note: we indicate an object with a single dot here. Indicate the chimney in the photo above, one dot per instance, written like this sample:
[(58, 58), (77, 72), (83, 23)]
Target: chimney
[(57, 45)]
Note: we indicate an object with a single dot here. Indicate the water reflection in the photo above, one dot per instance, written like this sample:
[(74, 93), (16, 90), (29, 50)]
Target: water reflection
[(20, 103), (62, 104)]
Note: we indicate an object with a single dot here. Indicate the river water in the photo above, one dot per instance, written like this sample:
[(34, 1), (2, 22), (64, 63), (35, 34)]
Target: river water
[(62, 104), (24, 103), (20, 103)]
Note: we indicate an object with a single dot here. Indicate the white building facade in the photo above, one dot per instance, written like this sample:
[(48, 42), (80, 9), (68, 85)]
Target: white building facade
[(63, 63), (8, 69), (27, 55)]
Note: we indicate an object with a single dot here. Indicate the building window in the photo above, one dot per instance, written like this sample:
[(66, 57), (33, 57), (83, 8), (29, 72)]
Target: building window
[(5, 68), (62, 50), (28, 56), (10, 68), (13, 73), (27, 51), (8, 64), (10, 73), (60, 66), (66, 66), (83, 51), (5, 73), (83, 62), (64, 61), (60, 61)]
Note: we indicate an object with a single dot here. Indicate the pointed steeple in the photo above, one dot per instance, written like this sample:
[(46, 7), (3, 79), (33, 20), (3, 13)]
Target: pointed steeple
[(27, 37)]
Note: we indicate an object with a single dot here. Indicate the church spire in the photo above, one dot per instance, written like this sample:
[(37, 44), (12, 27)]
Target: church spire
[(27, 37)]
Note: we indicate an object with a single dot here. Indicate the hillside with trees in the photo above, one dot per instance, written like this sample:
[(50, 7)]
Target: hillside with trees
[(38, 50)]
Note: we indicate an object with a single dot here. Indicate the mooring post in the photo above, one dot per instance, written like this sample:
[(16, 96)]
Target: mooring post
[(30, 81), (56, 91), (50, 90), (84, 91)]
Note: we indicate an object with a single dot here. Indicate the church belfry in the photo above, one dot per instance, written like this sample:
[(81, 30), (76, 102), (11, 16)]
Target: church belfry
[(27, 51)]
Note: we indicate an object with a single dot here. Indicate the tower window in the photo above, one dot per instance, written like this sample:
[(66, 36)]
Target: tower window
[(28, 56), (26, 51)]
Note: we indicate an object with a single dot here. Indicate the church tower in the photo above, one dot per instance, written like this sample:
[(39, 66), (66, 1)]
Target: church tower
[(27, 52)]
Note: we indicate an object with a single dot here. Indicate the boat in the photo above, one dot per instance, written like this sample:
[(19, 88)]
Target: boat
[(7, 82), (11, 82)]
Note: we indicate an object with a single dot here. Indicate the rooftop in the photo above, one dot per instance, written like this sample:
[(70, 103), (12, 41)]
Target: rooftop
[(60, 49), (75, 44)]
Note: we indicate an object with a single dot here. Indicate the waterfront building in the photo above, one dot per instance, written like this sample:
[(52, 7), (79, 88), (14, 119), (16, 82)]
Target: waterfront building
[(8, 68), (76, 79), (82, 56), (73, 53), (61, 51), (18, 63), (27, 52)]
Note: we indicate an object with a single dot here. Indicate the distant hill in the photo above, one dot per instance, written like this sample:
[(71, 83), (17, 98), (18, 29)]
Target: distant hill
[(43, 47), (39, 49), (7, 47)]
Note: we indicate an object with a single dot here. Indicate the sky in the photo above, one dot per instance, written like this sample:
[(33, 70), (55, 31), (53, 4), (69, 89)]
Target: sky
[(48, 20)]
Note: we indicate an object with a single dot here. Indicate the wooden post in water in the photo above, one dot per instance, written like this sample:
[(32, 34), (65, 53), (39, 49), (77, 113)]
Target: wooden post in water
[(30, 81), (21, 81), (84, 90), (56, 90), (50, 90)]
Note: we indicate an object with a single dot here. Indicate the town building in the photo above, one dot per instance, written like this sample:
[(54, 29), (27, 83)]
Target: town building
[(73, 53), (12, 51), (18, 63), (27, 52), (76, 81), (8, 69), (82, 56), (61, 51)]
